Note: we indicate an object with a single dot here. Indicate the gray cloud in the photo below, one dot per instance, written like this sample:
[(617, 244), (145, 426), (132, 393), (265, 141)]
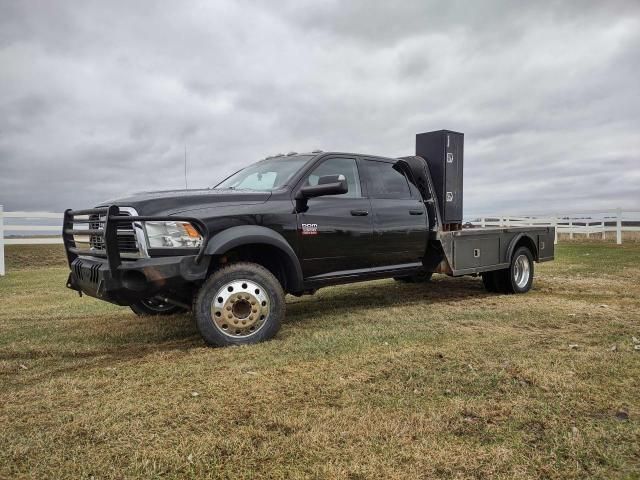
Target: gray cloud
[(99, 99)]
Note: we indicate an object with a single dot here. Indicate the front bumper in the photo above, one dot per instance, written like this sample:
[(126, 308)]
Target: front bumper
[(134, 280), (107, 276)]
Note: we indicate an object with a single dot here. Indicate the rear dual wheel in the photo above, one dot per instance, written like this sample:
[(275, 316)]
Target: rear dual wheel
[(518, 278), (489, 281)]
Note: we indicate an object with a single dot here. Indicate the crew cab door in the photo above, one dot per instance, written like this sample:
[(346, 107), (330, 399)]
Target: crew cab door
[(400, 220), (334, 230)]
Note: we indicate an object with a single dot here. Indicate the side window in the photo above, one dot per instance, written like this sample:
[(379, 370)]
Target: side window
[(339, 166), (384, 181)]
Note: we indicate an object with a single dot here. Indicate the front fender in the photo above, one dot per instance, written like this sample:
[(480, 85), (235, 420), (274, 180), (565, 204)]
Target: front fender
[(234, 237)]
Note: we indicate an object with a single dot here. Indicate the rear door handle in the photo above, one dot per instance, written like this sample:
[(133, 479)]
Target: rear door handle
[(416, 212), (359, 213)]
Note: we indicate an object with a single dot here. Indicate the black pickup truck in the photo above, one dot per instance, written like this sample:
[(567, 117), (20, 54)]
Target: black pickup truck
[(292, 224)]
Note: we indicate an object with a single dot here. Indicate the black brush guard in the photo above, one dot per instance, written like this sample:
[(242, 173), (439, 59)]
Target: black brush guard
[(102, 273)]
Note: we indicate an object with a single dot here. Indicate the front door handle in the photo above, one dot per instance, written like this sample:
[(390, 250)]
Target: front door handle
[(416, 212), (359, 213)]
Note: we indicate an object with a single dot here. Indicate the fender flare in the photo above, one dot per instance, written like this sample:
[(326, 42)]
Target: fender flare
[(254, 234), (514, 242)]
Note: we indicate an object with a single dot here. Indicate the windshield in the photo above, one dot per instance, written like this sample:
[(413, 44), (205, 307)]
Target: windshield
[(265, 175)]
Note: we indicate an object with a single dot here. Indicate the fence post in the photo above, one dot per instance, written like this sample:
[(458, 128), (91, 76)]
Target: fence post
[(570, 228), (2, 272), (482, 222), (555, 229), (619, 226), (604, 234)]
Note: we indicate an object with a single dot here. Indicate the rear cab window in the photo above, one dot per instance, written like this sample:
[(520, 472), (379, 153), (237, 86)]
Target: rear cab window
[(385, 181)]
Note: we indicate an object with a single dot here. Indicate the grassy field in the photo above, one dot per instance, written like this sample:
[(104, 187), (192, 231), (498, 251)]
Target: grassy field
[(373, 380)]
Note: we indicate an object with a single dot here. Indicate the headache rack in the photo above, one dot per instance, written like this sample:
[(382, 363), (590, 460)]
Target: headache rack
[(110, 234)]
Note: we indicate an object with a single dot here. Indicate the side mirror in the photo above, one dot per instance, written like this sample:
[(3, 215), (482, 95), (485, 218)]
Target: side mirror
[(327, 185)]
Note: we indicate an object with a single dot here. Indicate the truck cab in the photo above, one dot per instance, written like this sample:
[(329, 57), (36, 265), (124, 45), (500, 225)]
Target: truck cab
[(379, 224)]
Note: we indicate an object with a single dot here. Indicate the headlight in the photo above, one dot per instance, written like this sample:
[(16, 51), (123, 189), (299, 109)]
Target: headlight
[(172, 235)]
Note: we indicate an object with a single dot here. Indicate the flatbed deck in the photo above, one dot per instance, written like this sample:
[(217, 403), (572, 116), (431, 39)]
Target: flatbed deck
[(476, 250)]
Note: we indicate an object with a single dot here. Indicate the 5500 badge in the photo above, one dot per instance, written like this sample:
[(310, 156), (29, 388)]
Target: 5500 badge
[(309, 229)]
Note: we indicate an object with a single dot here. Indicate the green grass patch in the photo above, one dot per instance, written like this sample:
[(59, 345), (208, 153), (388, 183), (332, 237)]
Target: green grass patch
[(371, 380)]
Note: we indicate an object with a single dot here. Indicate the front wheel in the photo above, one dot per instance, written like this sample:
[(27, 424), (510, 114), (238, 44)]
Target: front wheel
[(239, 304), (154, 306)]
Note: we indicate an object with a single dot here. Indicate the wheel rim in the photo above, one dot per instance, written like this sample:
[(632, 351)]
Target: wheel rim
[(521, 271), (240, 308), (157, 305)]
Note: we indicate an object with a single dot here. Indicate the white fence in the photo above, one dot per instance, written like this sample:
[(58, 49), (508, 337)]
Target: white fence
[(53, 231), (573, 223)]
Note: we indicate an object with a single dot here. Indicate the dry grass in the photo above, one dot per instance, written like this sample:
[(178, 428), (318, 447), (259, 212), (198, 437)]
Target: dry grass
[(374, 380), (597, 237)]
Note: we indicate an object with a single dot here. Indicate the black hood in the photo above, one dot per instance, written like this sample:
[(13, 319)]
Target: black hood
[(168, 202)]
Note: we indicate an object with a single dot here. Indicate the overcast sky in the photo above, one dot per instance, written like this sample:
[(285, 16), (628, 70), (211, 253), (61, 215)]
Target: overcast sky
[(98, 99)]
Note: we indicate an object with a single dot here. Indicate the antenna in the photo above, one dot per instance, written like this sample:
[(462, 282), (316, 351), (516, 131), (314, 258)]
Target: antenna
[(186, 185)]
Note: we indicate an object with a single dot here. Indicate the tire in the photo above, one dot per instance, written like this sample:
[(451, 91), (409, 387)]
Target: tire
[(152, 306), (489, 281), (501, 280), (240, 304), (422, 277), (518, 278)]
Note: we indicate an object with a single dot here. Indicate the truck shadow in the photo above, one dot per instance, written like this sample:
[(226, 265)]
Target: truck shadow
[(385, 293), (182, 335)]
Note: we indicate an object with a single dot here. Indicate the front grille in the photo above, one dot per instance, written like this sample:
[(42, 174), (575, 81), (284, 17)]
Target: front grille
[(127, 241)]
